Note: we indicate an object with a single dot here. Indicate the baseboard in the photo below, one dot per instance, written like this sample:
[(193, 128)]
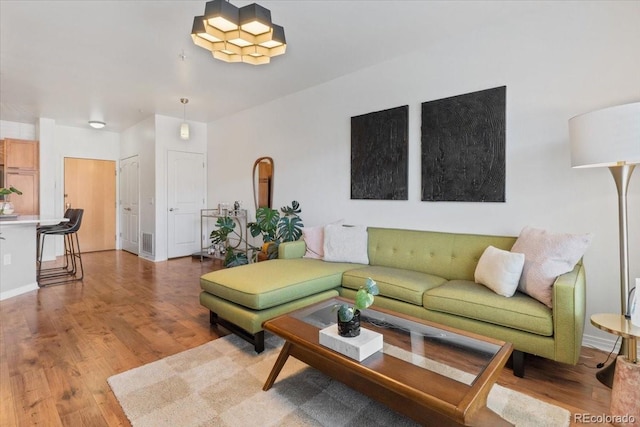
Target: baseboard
[(18, 291), (604, 344)]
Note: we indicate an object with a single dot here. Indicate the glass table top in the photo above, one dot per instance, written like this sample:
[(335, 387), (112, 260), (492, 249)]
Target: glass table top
[(454, 355)]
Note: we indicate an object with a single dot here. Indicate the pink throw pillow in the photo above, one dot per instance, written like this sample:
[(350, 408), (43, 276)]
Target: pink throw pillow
[(314, 239), (546, 256)]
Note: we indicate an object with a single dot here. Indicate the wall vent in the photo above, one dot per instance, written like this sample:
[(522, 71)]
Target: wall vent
[(147, 243)]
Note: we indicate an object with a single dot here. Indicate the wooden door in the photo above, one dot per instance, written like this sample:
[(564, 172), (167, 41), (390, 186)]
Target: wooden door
[(91, 185), (186, 191)]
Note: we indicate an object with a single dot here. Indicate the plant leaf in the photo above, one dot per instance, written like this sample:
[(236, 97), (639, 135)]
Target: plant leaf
[(363, 299), (267, 218), (234, 259), (371, 286), (345, 313), (290, 229), (294, 209), (226, 226)]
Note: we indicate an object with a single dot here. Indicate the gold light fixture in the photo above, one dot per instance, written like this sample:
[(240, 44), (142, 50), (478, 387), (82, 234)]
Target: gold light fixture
[(184, 127), (234, 34)]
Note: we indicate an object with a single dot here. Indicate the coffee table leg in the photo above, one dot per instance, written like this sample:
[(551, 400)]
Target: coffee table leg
[(277, 367)]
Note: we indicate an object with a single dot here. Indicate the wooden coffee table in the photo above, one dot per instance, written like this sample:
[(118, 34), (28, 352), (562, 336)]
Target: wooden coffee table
[(431, 373)]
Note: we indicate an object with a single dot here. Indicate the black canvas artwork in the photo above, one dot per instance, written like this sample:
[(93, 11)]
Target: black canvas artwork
[(379, 150), (463, 147)]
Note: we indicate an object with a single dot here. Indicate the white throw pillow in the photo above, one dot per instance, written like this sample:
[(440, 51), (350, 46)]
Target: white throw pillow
[(314, 240), (546, 256), (499, 270), (346, 243)]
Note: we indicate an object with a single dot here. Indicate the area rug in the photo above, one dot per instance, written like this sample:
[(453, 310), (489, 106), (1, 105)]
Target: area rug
[(220, 384)]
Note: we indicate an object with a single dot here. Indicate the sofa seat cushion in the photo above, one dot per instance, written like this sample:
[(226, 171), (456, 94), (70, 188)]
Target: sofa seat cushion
[(475, 301), (270, 283), (403, 285)]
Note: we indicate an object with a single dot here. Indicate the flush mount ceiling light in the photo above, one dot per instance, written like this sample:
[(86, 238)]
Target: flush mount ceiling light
[(234, 34), (96, 124), (184, 127)]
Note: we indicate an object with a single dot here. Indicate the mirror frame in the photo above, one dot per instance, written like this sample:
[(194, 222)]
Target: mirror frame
[(257, 178)]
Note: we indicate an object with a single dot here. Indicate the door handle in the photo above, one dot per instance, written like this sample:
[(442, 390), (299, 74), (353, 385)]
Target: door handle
[(127, 209), (173, 209)]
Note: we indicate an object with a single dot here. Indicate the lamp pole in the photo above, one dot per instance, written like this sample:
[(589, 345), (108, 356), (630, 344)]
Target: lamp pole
[(621, 175)]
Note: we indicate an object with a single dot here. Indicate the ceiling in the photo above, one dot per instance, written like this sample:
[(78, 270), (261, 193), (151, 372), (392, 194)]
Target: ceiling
[(122, 61)]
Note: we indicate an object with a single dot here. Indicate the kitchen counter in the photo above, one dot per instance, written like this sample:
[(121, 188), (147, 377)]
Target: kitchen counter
[(18, 253), (29, 219)]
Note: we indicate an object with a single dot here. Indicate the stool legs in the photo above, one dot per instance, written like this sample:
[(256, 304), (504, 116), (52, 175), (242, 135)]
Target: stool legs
[(72, 269)]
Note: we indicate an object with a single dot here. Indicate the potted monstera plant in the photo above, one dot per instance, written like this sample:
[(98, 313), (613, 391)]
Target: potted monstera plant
[(349, 315), (277, 227), (226, 227)]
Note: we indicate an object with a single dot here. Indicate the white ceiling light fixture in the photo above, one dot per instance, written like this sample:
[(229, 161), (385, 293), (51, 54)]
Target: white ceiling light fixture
[(97, 124), (234, 34), (184, 127)]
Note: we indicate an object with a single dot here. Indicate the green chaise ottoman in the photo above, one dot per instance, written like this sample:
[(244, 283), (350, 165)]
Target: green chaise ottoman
[(242, 298)]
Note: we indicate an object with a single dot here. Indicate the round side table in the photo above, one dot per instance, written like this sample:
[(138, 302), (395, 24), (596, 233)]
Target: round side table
[(617, 324), (625, 391)]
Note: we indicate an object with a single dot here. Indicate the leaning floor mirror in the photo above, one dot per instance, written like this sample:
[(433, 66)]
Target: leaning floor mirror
[(263, 169)]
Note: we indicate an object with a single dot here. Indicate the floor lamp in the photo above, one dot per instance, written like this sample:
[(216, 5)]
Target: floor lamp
[(611, 138)]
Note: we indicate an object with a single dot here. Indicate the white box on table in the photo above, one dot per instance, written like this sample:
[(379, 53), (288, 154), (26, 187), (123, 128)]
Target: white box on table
[(358, 348)]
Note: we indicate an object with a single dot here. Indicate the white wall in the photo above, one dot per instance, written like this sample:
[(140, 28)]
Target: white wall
[(17, 130), (168, 139), (140, 140), (570, 58), (151, 140), (56, 143)]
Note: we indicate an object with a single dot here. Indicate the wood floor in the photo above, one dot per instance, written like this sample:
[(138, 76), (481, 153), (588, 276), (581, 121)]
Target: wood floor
[(59, 345)]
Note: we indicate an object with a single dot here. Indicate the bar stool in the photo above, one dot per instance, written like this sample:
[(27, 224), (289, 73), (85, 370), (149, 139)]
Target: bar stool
[(72, 269), (42, 228)]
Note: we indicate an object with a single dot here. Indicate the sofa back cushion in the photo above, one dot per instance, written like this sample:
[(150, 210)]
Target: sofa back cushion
[(448, 255)]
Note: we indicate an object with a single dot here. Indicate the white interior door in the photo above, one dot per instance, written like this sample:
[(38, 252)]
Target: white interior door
[(130, 204), (187, 189)]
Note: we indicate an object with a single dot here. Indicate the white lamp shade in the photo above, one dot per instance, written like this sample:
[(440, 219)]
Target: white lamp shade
[(607, 137), (184, 131)]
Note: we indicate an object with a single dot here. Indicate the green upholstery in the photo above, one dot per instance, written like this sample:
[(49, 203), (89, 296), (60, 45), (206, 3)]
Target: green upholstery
[(251, 320), (523, 341), (424, 274), (291, 250), (271, 283), (468, 299), (448, 255), (403, 285), (569, 310)]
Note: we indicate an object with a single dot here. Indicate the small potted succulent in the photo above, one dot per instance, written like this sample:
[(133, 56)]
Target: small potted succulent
[(349, 315)]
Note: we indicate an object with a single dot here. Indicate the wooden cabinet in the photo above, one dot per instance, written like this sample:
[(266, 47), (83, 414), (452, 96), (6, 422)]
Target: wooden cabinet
[(20, 160), (27, 182), (21, 154)]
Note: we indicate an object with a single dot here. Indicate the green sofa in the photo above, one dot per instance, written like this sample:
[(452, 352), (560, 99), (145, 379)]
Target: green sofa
[(425, 274)]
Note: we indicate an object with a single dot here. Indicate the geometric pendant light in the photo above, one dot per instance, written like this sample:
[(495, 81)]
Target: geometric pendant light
[(234, 34)]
